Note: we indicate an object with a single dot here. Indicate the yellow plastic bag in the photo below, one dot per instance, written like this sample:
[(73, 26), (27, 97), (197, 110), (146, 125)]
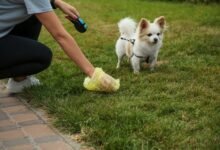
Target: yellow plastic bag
[(100, 81)]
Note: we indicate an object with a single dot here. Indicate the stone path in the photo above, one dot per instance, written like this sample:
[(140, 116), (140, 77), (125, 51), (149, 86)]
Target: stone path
[(22, 128)]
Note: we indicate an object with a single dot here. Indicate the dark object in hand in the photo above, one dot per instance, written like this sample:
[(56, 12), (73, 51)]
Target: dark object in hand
[(79, 24)]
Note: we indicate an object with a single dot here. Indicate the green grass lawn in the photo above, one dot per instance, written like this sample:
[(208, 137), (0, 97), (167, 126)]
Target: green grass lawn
[(175, 107)]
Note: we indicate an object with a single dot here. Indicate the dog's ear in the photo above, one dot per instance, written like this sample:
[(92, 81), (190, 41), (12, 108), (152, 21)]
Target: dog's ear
[(144, 24), (160, 21)]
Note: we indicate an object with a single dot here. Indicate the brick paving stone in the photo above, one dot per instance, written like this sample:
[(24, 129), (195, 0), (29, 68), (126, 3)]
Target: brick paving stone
[(25, 117), (12, 134), (47, 139), (9, 105), (3, 116), (21, 128), (16, 142), (22, 147), (7, 128), (58, 145), (21, 112), (38, 130), (2, 86), (15, 109), (31, 122), (1, 146), (9, 101), (4, 94), (5, 123), (6, 100)]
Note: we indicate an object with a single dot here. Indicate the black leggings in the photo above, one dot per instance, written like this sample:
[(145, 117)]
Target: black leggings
[(20, 52)]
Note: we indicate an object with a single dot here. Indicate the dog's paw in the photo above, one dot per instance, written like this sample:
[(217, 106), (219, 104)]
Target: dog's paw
[(152, 69), (145, 65), (128, 60), (136, 72)]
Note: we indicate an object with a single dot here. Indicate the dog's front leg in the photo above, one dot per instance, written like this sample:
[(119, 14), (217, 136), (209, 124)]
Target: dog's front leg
[(152, 62), (135, 64)]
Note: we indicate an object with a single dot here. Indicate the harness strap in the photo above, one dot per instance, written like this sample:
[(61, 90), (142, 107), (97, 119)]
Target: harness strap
[(141, 57), (132, 41)]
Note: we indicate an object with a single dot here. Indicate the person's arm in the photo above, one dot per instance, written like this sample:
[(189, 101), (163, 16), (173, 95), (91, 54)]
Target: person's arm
[(66, 8), (52, 23)]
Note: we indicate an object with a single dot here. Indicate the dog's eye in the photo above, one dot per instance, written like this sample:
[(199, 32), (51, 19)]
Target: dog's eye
[(158, 34), (149, 34)]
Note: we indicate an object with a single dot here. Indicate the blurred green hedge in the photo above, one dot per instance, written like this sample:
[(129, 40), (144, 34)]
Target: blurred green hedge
[(194, 1)]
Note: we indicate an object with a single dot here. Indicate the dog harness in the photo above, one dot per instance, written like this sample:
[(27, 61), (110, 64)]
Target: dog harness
[(141, 57), (132, 41)]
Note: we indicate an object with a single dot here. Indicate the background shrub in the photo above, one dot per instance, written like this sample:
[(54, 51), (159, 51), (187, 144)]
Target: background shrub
[(194, 1)]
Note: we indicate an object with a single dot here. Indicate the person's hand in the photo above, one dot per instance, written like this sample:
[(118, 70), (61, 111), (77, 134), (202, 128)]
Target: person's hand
[(67, 9), (101, 81)]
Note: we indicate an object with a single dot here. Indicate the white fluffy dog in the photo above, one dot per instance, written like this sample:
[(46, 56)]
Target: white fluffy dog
[(140, 43)]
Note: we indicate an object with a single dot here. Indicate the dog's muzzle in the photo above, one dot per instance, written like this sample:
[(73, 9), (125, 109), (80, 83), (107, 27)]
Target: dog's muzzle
[(155, 41)]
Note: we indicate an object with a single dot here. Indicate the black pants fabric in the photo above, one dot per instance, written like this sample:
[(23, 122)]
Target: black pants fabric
[(20, 52)]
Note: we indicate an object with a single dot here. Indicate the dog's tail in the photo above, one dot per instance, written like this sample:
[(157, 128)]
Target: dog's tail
[(127, 27)]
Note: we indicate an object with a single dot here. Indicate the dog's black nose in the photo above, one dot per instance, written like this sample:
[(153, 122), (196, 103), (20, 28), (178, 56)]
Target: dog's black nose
[(155, 40)]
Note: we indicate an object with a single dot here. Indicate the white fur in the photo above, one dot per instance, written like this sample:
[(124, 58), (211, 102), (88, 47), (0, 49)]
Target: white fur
[(127, 27), (145, 46)]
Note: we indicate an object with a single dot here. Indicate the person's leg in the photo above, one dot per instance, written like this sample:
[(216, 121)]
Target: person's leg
[(29, 29), (20, 57)]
